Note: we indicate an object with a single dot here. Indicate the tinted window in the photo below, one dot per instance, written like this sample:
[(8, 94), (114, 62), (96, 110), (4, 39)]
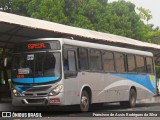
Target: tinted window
[(83, 58), (95, 60), (108, 61), (71, 61), (65, 60), (149, 62), (140, 64), (119, 62), (131, 63)]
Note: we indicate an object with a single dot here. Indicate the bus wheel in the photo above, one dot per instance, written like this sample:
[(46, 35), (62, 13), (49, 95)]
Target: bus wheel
[(84, 103), (132, 99)]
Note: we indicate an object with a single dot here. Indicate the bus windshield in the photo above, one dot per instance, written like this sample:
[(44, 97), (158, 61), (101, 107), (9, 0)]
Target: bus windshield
[(36, 65)]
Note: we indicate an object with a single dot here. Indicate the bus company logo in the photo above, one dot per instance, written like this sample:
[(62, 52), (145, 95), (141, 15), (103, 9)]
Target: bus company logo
[(6, 114)]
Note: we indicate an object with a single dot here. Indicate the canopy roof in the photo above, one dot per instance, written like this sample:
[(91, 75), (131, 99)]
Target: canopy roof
[(15, 28)]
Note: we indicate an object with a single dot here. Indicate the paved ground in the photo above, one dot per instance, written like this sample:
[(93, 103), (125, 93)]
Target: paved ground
[(149, 106)]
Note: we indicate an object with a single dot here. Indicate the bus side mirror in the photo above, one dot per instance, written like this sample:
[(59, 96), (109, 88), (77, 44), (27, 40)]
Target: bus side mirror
[(5, 62)]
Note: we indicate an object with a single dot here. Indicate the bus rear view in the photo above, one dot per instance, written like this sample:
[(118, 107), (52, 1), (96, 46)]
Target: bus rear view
[(36, 70)]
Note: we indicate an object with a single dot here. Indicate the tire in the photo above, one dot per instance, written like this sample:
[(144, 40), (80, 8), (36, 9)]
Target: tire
[(132, 99), (123, 104), (84, 102)]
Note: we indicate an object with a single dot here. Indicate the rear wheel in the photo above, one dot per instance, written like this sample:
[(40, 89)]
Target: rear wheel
[(85, 102), (132, 99)]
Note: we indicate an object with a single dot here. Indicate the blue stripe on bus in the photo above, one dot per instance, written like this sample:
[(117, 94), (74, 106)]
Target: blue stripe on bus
[(35, 80), (143, 80), (23, 80)]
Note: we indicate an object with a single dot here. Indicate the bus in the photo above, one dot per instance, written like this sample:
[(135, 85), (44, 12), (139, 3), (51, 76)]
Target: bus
[(61, 71)]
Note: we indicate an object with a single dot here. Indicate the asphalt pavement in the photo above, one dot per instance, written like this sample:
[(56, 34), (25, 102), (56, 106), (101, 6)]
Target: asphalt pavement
[(145, 105)]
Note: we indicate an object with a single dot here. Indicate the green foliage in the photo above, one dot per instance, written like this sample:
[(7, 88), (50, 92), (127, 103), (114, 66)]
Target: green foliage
[(51, 10), (116, 18), (153, 37), (5, 5), (20, 7), (124, 21), (145, 14)]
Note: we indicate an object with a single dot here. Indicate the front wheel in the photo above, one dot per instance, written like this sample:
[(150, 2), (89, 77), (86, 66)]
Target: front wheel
[(84, 103)]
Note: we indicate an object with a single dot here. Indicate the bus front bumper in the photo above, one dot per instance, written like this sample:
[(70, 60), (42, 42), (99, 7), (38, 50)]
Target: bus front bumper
[(38, 101)]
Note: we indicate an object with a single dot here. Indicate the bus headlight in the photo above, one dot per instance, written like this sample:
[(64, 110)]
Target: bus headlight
[(56, 90), (16, 93)]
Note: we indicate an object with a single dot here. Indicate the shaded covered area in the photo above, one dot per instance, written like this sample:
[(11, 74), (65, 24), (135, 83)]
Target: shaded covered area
[(15, 28)]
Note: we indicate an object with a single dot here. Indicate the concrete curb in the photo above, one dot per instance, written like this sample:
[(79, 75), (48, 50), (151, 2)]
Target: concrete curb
[(155, 99)]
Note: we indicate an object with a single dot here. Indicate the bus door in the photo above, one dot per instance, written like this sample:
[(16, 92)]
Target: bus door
[(70, 76)]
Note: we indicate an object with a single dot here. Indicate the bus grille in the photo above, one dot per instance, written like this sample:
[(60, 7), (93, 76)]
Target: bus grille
[(37, 89), (38, 101), (36, 94)]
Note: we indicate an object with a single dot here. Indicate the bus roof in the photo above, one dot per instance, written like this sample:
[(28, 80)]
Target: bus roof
[(96, 46), (105, 47)]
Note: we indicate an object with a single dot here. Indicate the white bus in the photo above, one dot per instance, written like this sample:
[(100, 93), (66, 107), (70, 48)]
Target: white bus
[(60, 71)]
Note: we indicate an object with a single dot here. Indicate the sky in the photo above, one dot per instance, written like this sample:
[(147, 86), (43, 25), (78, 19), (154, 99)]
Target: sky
[(152, 5)]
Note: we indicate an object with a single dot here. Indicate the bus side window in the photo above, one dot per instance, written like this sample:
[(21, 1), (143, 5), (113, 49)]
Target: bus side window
[(140, 62), (65, 60), (71, 60), (119, 62), (69, 66), (131, 63), (83, 58), (149, 62), (65, 66), (95, 62), (108, 62)]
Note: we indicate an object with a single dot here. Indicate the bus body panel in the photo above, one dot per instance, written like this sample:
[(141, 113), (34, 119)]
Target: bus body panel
[(108, 87)]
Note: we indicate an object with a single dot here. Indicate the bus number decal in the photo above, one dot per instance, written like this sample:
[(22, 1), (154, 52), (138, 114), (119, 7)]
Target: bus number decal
[(36, 46)]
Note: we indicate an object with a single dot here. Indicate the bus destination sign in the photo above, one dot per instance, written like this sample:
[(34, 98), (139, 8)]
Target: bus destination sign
[(36, 46)]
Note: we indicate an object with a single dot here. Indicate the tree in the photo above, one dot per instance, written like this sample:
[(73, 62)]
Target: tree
[(5, 5), (123, 20), (116, 18), (145, 14), (85, 13), (153, 37), (51, 10), (20, 7), (74, 10)]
